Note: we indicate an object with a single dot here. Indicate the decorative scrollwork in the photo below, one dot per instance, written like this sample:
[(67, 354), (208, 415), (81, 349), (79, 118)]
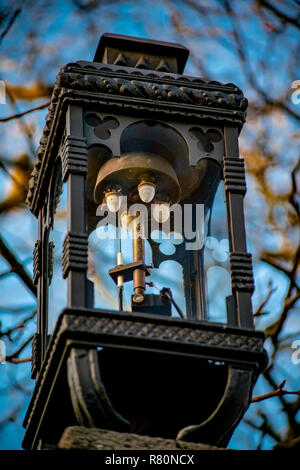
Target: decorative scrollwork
[(36, 353), (219, 426), (241, 271), (90, 400), (74, 156), (50, 260), (157, 91), (109, 326), (102, 127), (75, 252), (205, 138), (37, 262), (234, 175)]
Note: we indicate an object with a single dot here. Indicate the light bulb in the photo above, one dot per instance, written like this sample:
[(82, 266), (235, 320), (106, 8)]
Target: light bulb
[(113, 201), (124, 220), (161, 212), (146, 191)]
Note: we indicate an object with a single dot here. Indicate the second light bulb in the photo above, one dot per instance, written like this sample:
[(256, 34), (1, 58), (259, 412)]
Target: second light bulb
[(161, 212), (146, 191), (113, 201)]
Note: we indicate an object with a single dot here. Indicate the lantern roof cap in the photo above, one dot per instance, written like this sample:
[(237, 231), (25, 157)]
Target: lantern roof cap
[(138, 81), (141, 53)]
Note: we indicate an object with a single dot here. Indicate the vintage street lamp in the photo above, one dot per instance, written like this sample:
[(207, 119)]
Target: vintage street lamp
[(138, 180)]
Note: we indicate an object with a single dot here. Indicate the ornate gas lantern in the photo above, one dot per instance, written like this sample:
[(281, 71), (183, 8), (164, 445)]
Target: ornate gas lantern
[(144, 281)]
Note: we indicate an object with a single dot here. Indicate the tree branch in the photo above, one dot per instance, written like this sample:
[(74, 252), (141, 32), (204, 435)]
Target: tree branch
[(31, 110), (264, 428), (19, 361), (19, 326), (17, 267), (15, 355), (282, 16), (276, 393), (287, 406), (10, 23), (273, 330), (12, 177), (259, 310)]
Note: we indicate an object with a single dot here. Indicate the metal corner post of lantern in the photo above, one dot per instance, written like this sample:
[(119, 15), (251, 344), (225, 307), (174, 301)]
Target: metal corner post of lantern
[(135, 151)]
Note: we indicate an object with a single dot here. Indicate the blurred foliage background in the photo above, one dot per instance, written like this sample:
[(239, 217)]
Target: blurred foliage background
[(252, 43)]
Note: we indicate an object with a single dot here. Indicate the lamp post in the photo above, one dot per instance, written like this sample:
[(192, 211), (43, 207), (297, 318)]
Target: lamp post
[(133, 145)]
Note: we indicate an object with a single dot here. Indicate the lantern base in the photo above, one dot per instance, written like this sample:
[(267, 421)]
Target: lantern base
[(83, 438), (147, 374)]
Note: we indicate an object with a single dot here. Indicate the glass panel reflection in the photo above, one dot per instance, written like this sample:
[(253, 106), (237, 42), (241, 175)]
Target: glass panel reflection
[(216, 258), (103, 246), (58, 286)]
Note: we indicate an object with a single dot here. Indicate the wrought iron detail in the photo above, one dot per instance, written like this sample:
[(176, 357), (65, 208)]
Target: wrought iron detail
[(143, 89), (219, 426), (241, 272), (75, 253), (51, 247), (37, 262), (205, 138), (234, 175), (153, 331), (102, 127), (74, 156), (121, 60), (91, 403), (98, 67), (36, 355)]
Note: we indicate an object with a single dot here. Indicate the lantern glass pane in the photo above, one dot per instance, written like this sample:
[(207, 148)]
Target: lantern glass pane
[(57, 297), (169, 272), (103, 249), (102, 256), (216, 258)]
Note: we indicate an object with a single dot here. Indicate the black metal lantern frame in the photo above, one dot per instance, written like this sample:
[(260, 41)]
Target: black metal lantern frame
[(97, 109)]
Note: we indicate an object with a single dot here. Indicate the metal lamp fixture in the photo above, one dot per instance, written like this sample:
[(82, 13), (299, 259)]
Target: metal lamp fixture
[(132, 141)]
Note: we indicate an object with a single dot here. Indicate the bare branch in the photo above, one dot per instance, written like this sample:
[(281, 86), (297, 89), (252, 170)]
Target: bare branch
[(21, 121), (265, 428), (268, 260), (287, 406), (278, 392), (12, 416), (11, 176), (31, 110), (16, 310), (16, 354), (19, 361), (282, 16), (16, 266), (294, 189), (259, 310), (10, 23), (17, 327), (273, 330)]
